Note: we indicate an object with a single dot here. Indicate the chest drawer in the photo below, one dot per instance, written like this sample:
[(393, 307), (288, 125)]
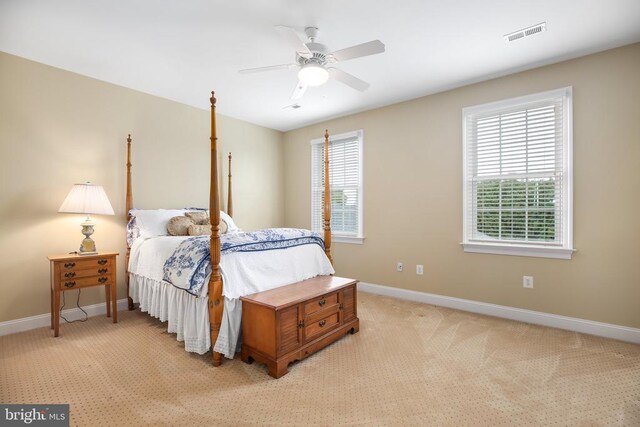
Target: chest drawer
[(320, 325), (84, 282), (321, 303)]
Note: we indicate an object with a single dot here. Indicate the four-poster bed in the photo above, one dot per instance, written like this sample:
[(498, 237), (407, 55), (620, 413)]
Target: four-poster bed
[(216, 295)]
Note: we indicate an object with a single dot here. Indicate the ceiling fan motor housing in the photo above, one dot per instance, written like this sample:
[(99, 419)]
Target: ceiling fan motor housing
[(320, 55)]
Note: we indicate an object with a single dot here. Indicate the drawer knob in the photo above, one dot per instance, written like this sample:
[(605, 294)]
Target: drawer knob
[(70, 284), (102, 270), (69, 264), (322, 323), (322, 302), (69, 275), (102, 279), (102, 261)]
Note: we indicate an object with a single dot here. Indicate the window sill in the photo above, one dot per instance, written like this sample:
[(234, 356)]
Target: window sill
[(348, 239), (519, 250)]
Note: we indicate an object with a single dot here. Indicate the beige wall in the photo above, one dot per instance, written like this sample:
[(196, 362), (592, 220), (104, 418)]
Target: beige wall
[(58, 128), (413, 195)]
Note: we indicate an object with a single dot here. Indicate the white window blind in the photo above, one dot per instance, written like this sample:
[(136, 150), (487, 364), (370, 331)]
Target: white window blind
[(517, 174), (345, 172)]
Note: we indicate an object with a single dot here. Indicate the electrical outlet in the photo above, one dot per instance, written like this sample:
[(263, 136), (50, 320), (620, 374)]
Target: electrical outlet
[(399, 266), (420, 269), (527, 282)]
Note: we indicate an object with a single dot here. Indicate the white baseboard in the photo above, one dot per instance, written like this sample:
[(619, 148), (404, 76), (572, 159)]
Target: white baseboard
[(41, 320), (607, 330)]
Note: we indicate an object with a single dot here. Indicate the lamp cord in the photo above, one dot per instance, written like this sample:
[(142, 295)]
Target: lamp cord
[(86, 315)]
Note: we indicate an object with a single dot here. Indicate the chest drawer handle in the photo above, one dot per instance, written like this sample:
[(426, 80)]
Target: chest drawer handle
[(102, 270), (322, 302), (69, 275), (102, 279), (69, 264), (102, 261), (322, 323), (70, 284)]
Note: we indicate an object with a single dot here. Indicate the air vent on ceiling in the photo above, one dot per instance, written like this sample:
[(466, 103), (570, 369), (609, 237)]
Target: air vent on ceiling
[(292, 107), (526, 32)]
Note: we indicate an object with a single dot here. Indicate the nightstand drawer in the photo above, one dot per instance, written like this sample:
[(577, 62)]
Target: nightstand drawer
[(78, 274), (84, 282), (84, 264)]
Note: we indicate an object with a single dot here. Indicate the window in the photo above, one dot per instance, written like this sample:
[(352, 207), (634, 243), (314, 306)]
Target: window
[(517, 176), (345, 172)]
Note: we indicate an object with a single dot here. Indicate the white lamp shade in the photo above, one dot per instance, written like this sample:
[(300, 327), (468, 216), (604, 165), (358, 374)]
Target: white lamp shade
[(87, 199)]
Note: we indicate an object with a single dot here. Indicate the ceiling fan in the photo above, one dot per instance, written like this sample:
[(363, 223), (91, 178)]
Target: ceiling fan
[(313, 60)]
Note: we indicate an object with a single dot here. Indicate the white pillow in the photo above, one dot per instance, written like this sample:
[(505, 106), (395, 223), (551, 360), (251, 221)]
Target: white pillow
[(231, 226), (153, 222)]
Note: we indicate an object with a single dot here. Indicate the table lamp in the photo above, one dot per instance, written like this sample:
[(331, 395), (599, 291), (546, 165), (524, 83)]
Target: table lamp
[(87, 199)]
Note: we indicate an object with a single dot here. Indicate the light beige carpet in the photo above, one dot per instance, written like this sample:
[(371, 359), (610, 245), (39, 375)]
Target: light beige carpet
[(410, 364)]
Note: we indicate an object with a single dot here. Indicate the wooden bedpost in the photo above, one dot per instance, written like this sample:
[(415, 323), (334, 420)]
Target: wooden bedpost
[(215, 282), (229, 192), (327, 199), (128, 207)]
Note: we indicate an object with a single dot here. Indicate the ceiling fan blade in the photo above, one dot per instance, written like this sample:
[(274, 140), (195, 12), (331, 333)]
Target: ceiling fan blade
[(348, 79), (299, 91), (365, 49), (291, 36), (269, 68)]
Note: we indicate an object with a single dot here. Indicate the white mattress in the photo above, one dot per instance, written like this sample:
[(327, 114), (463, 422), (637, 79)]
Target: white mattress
[(243, 273)]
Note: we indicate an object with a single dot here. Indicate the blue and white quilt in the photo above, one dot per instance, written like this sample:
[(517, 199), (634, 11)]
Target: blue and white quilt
[(190, 265)]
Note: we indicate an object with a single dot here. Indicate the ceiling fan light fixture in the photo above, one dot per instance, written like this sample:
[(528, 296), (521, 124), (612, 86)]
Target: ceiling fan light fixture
[(313, 75)]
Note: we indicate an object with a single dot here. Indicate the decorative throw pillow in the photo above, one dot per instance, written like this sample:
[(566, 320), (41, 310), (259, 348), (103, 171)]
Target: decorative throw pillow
[(179, 226), (199, 218), (199, 230)]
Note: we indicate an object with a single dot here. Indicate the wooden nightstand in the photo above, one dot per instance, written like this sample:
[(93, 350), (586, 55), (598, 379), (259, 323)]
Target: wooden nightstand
[(82, 271)]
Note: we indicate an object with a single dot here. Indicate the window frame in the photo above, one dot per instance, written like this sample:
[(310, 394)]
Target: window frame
[(542, 250), (335, 237)]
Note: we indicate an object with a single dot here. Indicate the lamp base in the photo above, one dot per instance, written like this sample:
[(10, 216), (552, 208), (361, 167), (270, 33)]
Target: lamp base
[(88, 246)]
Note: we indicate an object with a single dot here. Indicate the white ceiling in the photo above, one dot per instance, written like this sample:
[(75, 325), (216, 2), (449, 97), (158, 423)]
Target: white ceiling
[(181, 50)]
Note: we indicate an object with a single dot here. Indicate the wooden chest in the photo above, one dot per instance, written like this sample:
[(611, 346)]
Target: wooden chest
[(294, 321)]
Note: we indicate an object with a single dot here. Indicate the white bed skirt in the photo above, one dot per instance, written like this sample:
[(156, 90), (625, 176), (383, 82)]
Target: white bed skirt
[(186, 315)]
